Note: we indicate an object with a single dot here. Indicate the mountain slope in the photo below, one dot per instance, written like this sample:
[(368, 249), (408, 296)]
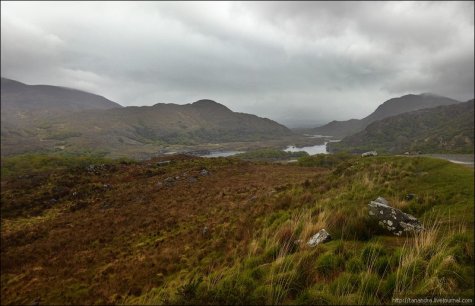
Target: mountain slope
[(443, 129), (202, 121), (49, 117), (389, 108), (22, 103)]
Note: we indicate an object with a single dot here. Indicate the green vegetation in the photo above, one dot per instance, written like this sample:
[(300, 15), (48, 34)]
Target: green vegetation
[(62, 135), (139, 242), (389, 108), (352, 270), (126, 129), (270, 155), (445, 129), (27, 164), (324, 160)]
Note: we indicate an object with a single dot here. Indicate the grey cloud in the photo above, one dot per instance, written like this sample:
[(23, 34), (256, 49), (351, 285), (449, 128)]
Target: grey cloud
[(289, 61)]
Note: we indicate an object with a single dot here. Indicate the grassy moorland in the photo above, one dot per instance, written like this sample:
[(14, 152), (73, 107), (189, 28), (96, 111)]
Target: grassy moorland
[(270, 155), (102, 231)]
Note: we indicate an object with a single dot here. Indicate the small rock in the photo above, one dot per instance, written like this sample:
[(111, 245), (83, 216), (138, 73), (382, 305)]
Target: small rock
[(169, 181), (192, 179), (105, 205), (370, 153), (163, 163), (321, 237), (205, 232), (204, 172)]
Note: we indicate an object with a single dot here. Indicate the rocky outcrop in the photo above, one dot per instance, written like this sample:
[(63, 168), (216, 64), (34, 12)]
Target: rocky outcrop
[(163, 163), (393, 219), (382, 200), (321, 237), (370, 153)]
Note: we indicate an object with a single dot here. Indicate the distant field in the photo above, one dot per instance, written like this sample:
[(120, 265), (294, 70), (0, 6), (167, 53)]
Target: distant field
[(85, 230), (465, 159)]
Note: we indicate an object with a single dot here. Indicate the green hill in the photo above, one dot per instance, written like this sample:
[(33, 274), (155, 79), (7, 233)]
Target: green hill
[(443, 129), (389, 108), (22, 104), (47, 118)]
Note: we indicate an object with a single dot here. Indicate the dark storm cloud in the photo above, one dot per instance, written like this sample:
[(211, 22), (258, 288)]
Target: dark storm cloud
[(306, 62)]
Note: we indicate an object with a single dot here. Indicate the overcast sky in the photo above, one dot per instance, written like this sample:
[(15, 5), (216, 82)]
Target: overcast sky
[(307, 62)]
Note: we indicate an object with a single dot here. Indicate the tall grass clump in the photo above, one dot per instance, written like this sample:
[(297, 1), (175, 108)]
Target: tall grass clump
[(436, 261)]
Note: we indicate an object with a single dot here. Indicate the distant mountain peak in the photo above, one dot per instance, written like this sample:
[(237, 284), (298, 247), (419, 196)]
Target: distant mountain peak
[(207, 103), (10, 82), (46, 100)]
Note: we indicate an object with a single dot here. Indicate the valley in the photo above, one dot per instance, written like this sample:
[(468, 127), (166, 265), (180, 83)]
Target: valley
[(237, 153), (197, 204)]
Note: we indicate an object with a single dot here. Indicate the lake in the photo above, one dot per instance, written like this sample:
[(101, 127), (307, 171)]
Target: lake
[(317, 149), (312, 150)]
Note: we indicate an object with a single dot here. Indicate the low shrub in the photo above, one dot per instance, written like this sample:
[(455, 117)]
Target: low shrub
[(371, 252), (314, 297), (354, 265), (328, 264), (344, 284)]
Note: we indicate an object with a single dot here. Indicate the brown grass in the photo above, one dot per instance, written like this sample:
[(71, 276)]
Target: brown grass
[(128, 238)]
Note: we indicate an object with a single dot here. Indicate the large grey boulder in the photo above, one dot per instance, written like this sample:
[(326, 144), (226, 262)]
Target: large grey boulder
[(393, 219), (321, 237)]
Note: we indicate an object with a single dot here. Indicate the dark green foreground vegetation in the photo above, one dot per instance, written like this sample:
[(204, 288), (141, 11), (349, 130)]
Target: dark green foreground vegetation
[(257, 253), (270, 155)]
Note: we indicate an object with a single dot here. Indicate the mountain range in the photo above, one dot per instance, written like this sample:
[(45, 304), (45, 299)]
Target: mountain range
[(442, 129), (49, 118), (40, 117), (389, 108)]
